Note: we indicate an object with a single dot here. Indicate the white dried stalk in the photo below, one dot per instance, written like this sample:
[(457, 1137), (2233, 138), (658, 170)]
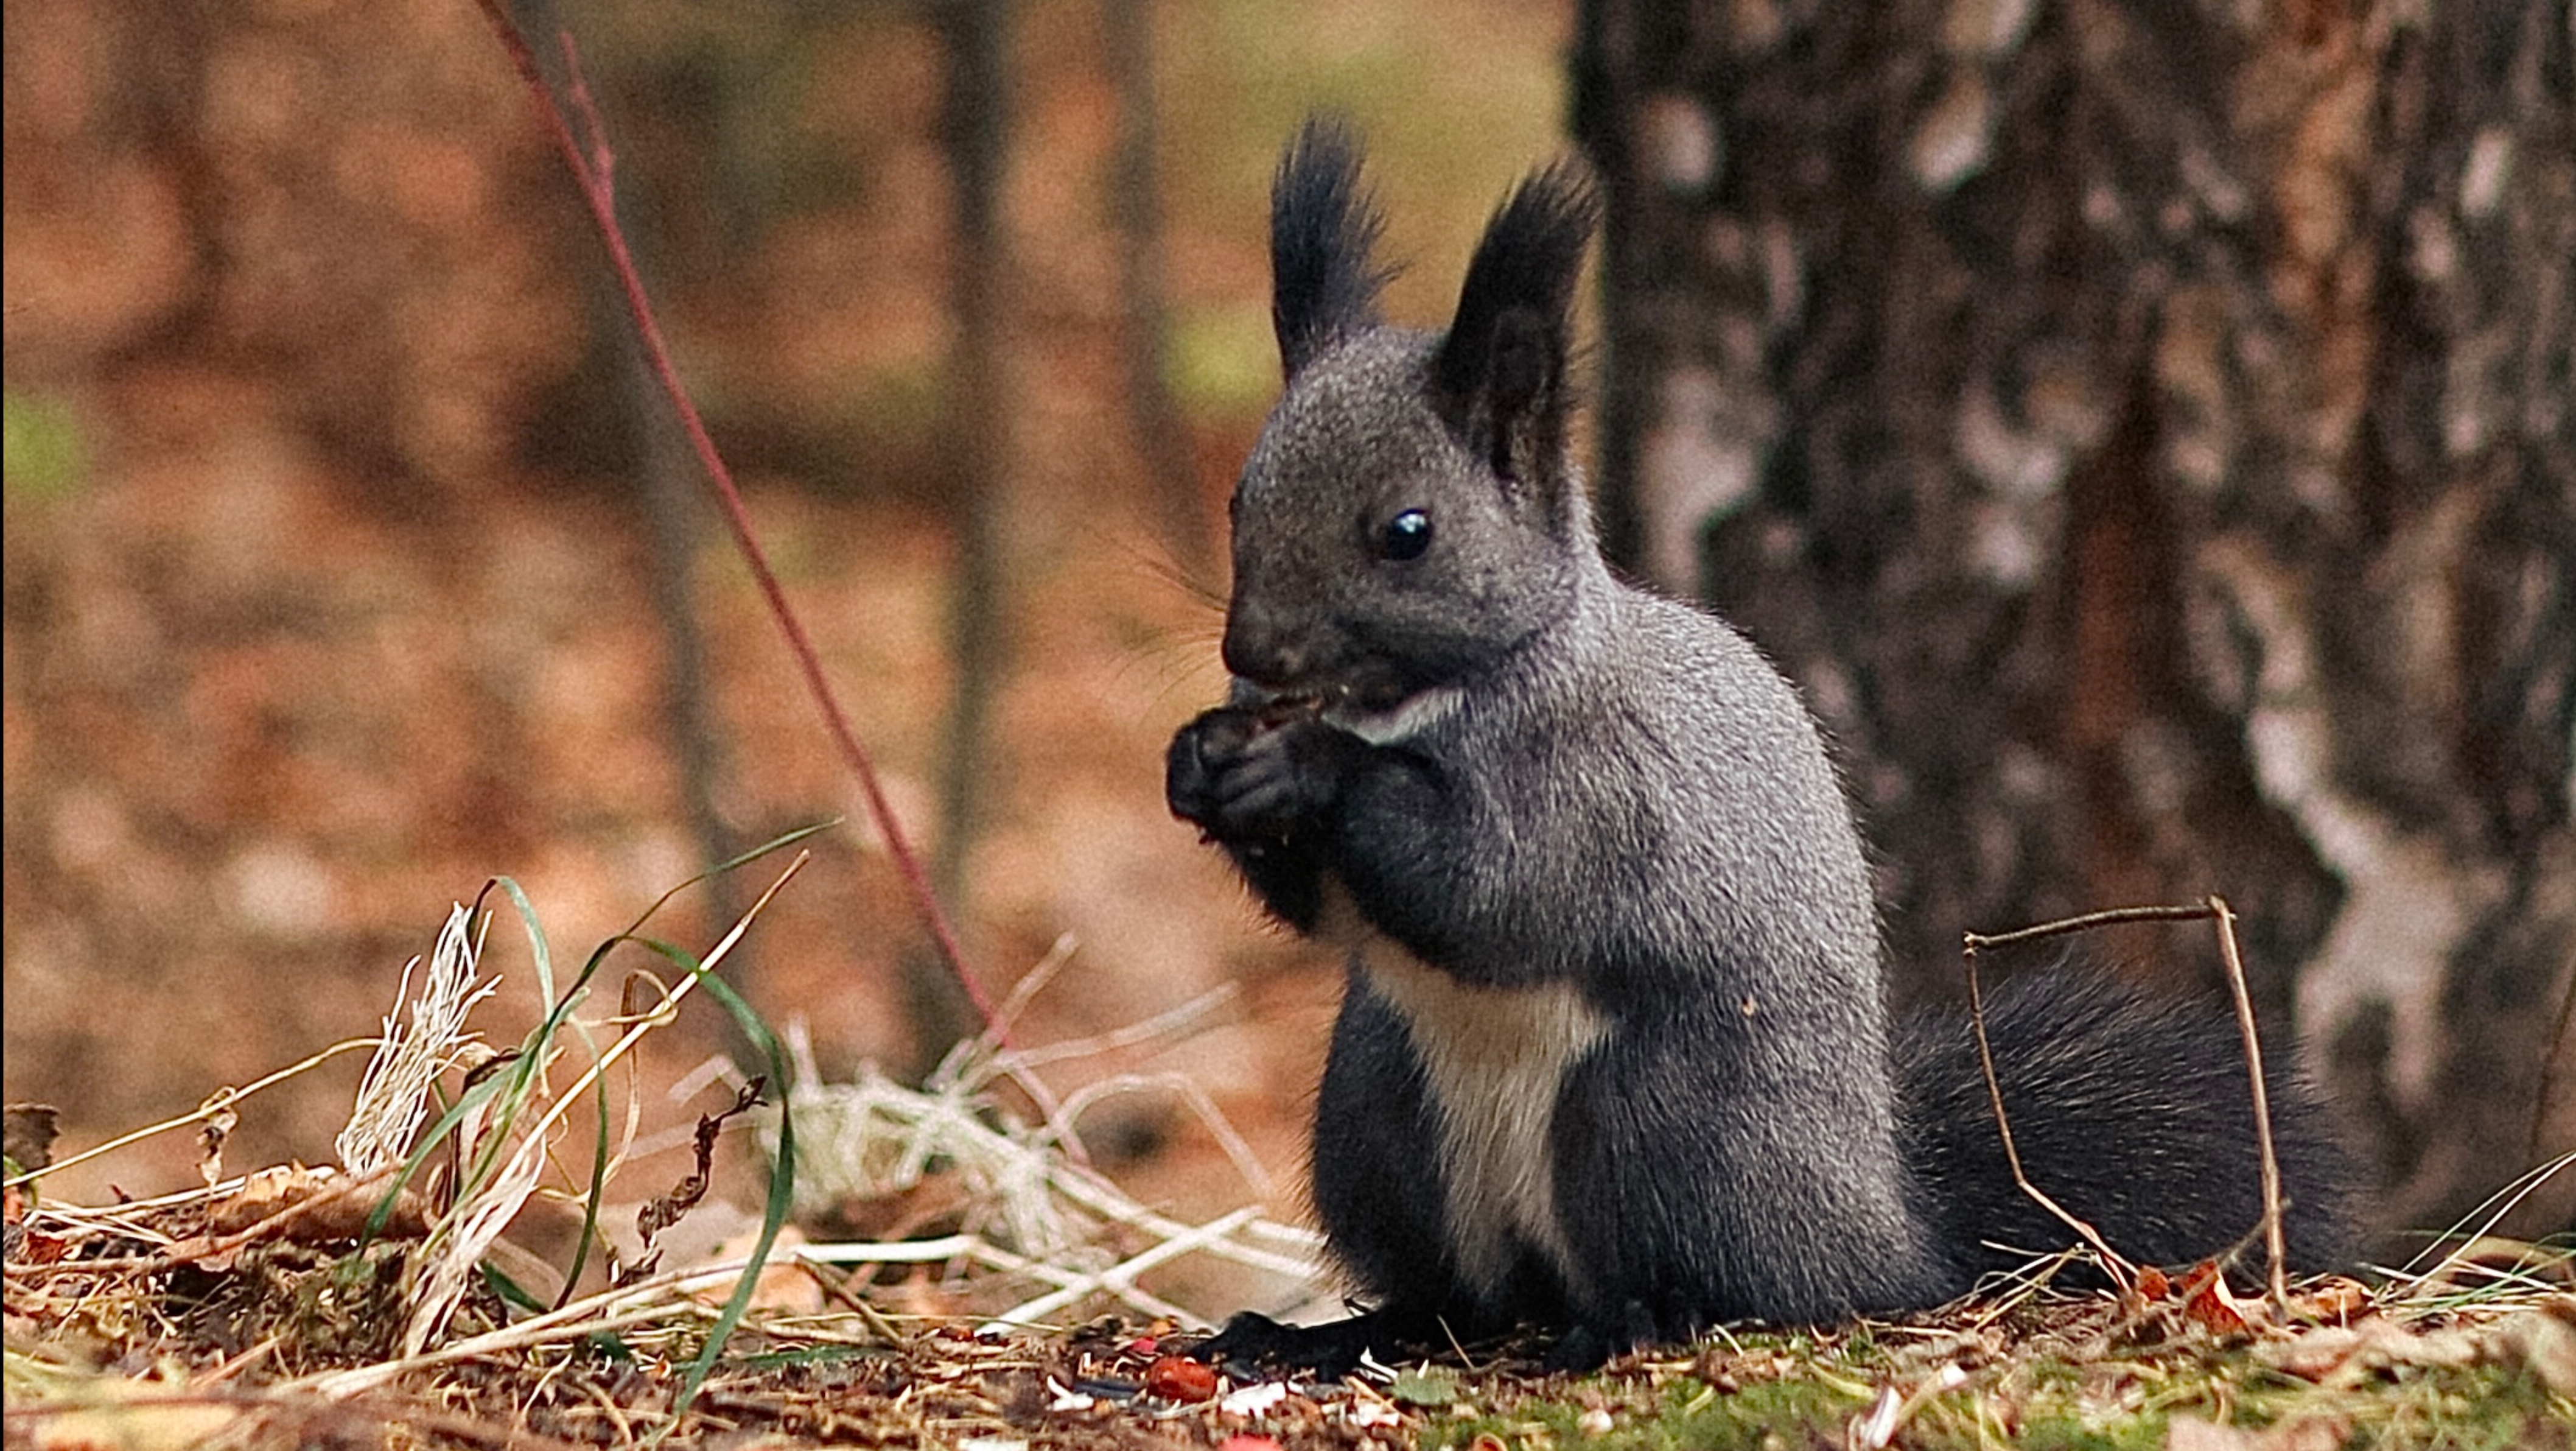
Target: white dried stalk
[(448, 1270), (1032, 1210), (459, 1241), (394, 1096), (1120, 1279), (874, 1139)]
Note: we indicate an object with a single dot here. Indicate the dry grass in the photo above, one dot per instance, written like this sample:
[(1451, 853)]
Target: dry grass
[(296, 1302)]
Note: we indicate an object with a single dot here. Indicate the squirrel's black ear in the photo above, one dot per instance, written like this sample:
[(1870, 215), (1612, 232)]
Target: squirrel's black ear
[(1324, 280), (1499, 378)]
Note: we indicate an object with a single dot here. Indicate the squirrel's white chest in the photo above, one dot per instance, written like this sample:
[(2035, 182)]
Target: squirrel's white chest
[(1496, 1060)]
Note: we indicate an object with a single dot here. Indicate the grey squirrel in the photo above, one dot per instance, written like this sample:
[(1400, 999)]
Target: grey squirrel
[(1613, 1057)]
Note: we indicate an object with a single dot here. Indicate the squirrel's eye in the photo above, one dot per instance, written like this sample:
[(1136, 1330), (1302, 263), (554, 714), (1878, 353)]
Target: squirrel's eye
[(1406, 536)]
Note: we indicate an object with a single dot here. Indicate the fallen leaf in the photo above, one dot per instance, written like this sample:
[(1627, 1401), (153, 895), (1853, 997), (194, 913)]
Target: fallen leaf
[(784, 1285), (1179, 1378), (280, 1187), (2331, 1300), (2214, 1307)]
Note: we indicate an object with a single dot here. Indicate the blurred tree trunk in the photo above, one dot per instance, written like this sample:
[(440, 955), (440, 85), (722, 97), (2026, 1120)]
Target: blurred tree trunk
[(1136, 201), (2146, 431), (668, 505), (982, 406), (643, 441)]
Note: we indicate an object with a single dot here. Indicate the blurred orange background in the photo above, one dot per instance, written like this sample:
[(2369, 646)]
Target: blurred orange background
[(329, 576)]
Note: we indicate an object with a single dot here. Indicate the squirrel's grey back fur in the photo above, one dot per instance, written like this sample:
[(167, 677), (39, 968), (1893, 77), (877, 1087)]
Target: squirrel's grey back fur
[(1613, 1055)]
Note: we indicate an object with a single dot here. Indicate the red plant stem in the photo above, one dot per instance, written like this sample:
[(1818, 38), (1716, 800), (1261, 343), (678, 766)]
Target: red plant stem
[(593, 172)]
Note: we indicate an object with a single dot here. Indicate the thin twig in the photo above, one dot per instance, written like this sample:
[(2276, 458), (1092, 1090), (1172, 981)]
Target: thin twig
[(1120, 1279), (2085, 922), (593, 172), (653, 1297), (218, 1102), (838, 1287), (2214, 909), (1212, 1118), (1165, 1024), (521, 1336), (2123, 1272), (2273, 1244)]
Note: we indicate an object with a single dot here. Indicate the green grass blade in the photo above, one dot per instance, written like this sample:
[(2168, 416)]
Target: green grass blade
[(782, 1176)]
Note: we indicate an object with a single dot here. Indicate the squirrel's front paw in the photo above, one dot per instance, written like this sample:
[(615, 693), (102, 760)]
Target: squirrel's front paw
[(1242, 777), (1198, 750)]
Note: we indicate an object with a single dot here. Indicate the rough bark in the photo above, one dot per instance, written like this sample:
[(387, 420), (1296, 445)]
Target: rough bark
[(2146, 430)]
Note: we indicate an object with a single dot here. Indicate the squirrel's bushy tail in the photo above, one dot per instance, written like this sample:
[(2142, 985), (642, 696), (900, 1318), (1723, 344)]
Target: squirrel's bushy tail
[(2132, 1111)]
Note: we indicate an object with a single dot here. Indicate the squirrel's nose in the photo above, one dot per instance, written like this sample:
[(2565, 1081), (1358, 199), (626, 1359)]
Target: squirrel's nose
[(1260, 649)]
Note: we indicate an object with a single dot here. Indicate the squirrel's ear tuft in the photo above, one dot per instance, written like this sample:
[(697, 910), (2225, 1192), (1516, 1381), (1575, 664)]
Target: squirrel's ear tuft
[(1324, 279), (1499, 378)]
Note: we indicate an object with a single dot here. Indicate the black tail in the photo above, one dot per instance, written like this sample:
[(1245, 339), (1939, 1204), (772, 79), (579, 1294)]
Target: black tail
[(2131, 1111)]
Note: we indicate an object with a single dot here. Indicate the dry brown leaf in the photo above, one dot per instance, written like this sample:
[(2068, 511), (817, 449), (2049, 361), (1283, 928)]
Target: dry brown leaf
[(2331, 1300), (2216, 1308), (272, 1190), (1179, 1378)]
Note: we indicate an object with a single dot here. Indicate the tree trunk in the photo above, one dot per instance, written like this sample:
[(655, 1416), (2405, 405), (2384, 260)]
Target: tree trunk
[(982, 404), (1188, 524), (2146, 431)]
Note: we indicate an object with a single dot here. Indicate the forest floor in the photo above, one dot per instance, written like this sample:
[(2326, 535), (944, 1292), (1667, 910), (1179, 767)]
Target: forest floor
[(506, 1255), (258, 1314), (273, 1344)]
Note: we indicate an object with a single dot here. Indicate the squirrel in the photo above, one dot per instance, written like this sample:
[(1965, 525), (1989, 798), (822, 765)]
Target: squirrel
[(1613, 1058)]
